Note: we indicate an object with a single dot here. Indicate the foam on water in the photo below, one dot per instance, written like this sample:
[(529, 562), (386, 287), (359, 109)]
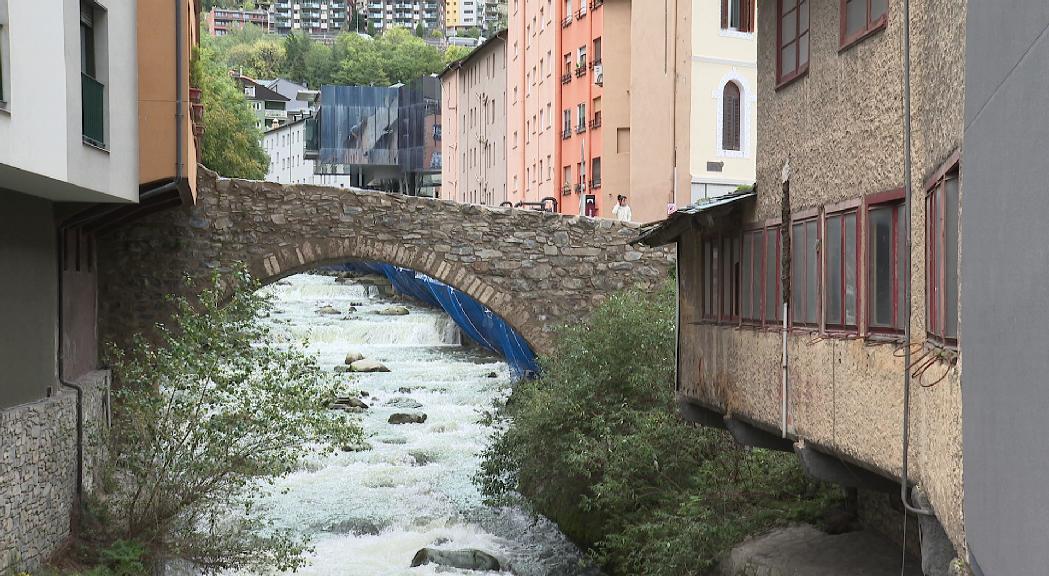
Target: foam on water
[(369, 512)]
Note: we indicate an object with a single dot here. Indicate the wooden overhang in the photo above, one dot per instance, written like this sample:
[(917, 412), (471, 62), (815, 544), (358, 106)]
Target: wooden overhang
[(719, 213)]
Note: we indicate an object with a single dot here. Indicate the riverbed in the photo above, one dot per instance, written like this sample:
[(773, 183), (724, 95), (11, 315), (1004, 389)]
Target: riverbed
[(368, 512)]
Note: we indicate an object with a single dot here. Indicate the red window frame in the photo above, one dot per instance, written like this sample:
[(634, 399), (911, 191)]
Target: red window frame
[(708, 250), (935, 262), (730, 261), (777, 271), (752, 286), (892, 199), (792, 6), (843, 213), (799, 282), (871, 26)]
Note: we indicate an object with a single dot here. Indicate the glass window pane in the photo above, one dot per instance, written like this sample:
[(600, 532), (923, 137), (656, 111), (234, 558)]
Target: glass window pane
[(950, 288), (708, 266), (878, 8), (931, 270), (855, 16), (811, 272), (851, 287), (788, 59), (901, 267), (832, 278), (803, 50), (748, 263), (803, 17), (789, 27), (797, 273), (772, 305), (879, 263)]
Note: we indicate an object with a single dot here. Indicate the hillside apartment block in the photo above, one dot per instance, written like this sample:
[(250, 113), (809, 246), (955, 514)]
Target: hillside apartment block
[(91, 135)]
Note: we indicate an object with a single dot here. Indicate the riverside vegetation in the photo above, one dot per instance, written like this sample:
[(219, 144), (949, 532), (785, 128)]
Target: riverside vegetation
[(206, 415), (595, 445)]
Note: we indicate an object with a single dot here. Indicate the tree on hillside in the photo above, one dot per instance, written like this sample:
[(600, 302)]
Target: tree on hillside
[(363, 63), (296, 49), (231, 141), (407, 57), (453, 53), (320, 67), (420, 30)]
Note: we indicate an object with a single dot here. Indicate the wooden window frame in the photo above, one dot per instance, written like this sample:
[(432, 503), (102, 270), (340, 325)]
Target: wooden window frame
[(802, 218), (800, 71), (870, 28), (729, 288), (736, 121), (894, 198), (935, 264), (747, 10), (755, 291), (853, 208)]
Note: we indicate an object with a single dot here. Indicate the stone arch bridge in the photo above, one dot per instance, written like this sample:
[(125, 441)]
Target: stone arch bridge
[(536, 270)]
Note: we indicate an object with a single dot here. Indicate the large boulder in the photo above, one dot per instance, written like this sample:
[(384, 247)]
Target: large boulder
[(404, 418), (328, 310), (394, 311), (462, 559), (366, 365), (352, 402), (352, 357), (404, 402)]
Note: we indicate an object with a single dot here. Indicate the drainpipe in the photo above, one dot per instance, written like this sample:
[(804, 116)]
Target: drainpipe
[(60, 244), (907, 277)]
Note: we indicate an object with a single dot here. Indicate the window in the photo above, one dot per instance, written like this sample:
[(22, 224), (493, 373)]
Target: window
[(92, 89), (886, 246), (729, 278), (750, 276), (841, 262), (566, 177), (581, 113), (597, 51), (595, 173), (804, 273), (861, 17), (731, 119), (710, 268), (772, 283), (941, 263), (793, 40), (737, 15), (581, 62)]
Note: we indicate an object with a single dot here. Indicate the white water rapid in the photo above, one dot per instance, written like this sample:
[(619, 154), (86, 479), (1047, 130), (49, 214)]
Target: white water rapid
[(368, 512)]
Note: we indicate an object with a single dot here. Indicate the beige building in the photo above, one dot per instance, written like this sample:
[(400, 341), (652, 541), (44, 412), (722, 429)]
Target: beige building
[(724, 97), (793, 299), (473, 131)]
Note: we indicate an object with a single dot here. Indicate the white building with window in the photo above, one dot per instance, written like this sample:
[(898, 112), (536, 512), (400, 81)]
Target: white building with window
[(286, 146), (724, 96)]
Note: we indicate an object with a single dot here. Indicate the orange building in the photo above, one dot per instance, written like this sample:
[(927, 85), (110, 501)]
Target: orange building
[(582, 79)]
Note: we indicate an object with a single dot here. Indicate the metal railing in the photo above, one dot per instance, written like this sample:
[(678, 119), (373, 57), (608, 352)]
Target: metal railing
[(566, 78), (93, 116), (566, 133), (580, 69)]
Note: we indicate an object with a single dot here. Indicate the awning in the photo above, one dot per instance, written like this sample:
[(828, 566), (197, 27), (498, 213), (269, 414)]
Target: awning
[(693, 215)]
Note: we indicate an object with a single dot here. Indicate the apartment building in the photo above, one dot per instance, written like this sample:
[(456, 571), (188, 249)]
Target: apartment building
[(384, 14), (807, 309), (724, 98), (221, 21), (318, 18), (289, 161), (573, 113), (463, 13), (473, 135), (270, 107)]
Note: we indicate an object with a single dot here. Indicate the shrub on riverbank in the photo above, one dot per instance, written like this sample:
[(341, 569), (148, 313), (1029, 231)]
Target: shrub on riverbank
[(207, 413), (595, 445)]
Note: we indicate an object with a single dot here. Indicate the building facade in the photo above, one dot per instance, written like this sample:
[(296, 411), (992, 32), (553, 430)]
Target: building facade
[(384, 14), (473, 129), (724, 98), (270, 107), (796, 322), (463, 13), (318, 18), (221, 21), (289, 163), (579, 68)]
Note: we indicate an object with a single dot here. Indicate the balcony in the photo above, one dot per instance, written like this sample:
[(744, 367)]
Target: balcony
[(580, 70), (595, 122), (595, 183), (566, 21), (93, 103), (597, 4), (580, 128), (566, 190), (582, 12), (566, 133), (566, 77)]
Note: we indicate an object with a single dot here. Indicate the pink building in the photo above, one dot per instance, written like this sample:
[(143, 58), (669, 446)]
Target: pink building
[(581, 82)]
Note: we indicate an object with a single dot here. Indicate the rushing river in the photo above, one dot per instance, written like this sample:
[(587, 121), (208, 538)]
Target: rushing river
[(368, 512)]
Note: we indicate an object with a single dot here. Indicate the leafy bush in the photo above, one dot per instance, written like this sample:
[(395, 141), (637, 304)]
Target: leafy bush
[(207, 414), (595, 445)]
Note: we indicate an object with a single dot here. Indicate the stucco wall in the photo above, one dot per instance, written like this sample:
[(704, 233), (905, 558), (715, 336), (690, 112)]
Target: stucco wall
[(38, 459), (841, 129)]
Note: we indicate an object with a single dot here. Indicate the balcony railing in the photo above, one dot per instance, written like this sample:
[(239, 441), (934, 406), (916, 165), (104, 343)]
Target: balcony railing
[(580, 69), (580, 128), (581, 13), (566, 78), (595, 183), (566, 133), (596, 4), (566, 21), (94, 121), (595, 122), (566, 190)]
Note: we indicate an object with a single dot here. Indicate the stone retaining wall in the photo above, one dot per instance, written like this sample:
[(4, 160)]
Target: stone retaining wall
[(38, 470)]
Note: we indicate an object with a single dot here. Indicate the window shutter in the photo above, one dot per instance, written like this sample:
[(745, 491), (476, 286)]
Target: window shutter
[(724, 14), (746, 16)]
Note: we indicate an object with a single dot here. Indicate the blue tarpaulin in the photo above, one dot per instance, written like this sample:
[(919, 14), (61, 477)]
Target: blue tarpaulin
[(477, 322)]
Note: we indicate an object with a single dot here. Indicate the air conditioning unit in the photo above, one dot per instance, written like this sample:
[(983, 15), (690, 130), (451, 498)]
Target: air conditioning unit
[(599, 74)]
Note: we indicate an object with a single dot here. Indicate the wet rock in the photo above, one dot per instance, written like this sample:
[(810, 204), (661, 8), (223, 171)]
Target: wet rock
[(343, 369), (352, 357), (358, 447), (344, 281), (493, 374), (364, 394), (406, 418), (328, 310), (402, 402), (462, 559), (404, 390), (351, 309), (357, 527), (394, 311), (282, 283), (368, 366), (421, 458), (356, 304), (352, 402)]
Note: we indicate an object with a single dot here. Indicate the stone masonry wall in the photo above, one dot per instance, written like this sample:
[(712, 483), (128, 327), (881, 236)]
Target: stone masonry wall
[(536, 270), (38, 470)]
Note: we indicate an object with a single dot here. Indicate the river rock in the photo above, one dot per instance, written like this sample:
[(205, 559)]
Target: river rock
[(402, 402), (462, 559), (342, 369), (358, 447), (352, 357), (394, 311), (403, 418), (364, 394), (352, 402), (328, 310), (404, 390), (493, 374), (368, 366)]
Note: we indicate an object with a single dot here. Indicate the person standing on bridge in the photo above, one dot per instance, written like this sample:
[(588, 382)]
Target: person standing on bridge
[(621, 211)]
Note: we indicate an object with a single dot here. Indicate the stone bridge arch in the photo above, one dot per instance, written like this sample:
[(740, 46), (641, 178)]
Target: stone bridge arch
[(536, 270)]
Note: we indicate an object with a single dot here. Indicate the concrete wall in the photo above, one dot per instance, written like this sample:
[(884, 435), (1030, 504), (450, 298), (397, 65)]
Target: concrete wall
[(41, 146), (1004, 289), (38, 460), (841, 129), (719, 57)]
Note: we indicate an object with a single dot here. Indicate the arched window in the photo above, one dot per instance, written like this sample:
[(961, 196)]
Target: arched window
[(730, 134)]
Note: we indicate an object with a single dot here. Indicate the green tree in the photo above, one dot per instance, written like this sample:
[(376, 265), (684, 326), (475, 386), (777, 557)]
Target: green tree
[(407, 57), (454, 52), (231, 140), (296, 49), (420, 30), (320, 66), (208, 413), (362, 64)]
